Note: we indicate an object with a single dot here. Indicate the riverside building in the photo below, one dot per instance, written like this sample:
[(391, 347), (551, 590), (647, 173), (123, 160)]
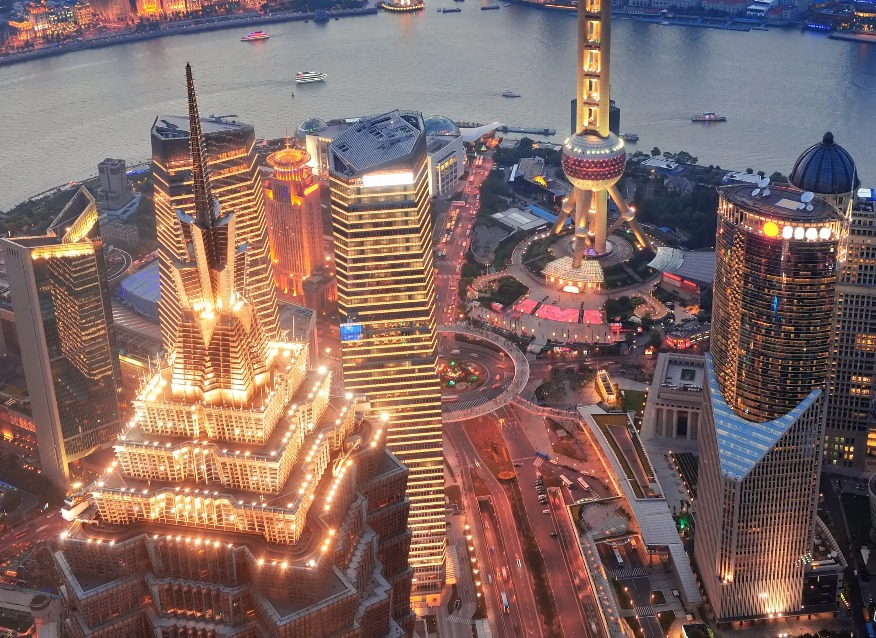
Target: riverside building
[(60, 297), (294, 220), (386, 299), (760, 440), (245, 499)]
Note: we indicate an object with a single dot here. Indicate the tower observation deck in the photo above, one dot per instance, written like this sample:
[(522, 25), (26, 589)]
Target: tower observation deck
[(594, 158)]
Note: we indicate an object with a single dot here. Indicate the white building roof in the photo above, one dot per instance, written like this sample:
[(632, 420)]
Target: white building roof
[(652, 515)]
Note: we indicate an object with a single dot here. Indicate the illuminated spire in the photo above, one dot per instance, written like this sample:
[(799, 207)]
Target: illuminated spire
[(200, 173)]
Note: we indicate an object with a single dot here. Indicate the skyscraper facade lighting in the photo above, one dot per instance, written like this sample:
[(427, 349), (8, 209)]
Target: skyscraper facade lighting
[(245, 499), (775, 280), (294, 220), (65, 330), (386, 298)]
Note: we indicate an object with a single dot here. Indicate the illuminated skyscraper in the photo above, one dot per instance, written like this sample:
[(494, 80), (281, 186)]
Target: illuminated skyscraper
[(245, 499), (294, 220), (386, 298), (232, 159), (65, 331), (775, 280), (827, 170), (593, 158)]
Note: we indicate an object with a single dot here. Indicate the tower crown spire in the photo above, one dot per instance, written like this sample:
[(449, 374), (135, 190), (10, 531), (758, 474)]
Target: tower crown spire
[(204, 202)]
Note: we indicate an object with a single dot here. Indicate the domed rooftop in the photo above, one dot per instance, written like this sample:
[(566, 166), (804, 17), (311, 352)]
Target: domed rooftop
[(440, 125), (313, 125), (825, 168)]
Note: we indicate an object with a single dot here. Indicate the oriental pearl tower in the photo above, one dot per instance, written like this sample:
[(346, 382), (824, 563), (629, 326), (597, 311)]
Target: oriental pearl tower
[(594, 158)]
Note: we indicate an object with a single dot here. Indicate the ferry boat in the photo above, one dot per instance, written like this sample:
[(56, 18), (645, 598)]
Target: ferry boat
[(254, 36), (402, 6), (708, 117), (629, 137), (304, 77), (510, 94)]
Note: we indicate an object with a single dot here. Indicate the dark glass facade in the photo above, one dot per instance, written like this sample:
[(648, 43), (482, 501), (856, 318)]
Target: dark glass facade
[(68, 346), (773, 299)]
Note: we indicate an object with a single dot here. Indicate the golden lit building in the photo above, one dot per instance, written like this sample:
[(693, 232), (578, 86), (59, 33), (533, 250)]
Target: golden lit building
[(65, 330), (245, 499), (237, 187), (148, 8), (386, 298), (762, 423), (294, 220)]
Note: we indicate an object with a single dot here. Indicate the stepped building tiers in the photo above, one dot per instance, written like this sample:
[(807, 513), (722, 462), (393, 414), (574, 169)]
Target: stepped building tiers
[(386, 299), (594, 158), (760, 441), (245, 499)]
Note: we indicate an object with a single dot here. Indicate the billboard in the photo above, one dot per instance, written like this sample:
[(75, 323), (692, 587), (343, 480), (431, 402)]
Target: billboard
[(351, 331)]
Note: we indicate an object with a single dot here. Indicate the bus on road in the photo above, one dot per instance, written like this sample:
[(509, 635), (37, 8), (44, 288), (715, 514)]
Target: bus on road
[(617, 555), (506, 608), (583, 484), (566, 481)]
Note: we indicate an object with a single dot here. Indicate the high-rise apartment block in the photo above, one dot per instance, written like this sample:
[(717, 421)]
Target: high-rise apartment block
[(386, 298), (115, 192), (827, 170), (294, 220), (760, 441), (65, 332), (236, 186), (245, 499)]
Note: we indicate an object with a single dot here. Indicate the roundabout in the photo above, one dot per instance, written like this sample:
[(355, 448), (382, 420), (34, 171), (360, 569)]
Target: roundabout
[(479, 371)]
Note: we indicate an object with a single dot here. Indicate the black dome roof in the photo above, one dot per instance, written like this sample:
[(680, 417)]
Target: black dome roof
[(825, 168)]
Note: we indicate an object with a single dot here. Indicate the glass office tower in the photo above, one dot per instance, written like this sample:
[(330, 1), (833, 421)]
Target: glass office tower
[(775, 283), (245, 500), (386, 298), (65, 329)]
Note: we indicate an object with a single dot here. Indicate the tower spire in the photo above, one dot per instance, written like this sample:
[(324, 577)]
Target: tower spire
[(200, 174)]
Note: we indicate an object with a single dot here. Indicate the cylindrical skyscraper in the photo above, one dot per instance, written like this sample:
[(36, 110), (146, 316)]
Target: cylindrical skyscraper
[(775, 283), (775, 277)]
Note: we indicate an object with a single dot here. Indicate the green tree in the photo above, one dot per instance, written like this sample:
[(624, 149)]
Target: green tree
[(778, 178), (655, 338), (655, 152)]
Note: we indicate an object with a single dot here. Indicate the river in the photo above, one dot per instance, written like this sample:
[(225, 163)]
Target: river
[(780, 90)]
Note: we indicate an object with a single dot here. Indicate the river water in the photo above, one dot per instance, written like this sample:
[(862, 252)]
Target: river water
[(780, 89)]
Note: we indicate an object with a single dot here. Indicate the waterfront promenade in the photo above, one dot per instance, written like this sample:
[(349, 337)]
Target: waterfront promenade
[(180, 28)]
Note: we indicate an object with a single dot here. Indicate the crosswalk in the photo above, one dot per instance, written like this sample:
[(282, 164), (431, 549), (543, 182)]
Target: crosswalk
[(459, 620), (645, 610)]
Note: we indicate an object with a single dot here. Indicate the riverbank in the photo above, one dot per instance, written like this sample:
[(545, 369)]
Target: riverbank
[(180, 28)]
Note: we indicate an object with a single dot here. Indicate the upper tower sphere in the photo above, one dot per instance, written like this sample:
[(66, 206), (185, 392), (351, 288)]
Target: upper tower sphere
[(825, 168), (592, 162)]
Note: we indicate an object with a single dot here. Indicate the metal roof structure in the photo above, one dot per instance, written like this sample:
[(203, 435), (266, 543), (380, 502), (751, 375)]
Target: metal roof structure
[(653, 515), (376, 142), (825, 168), (697, 266), (743, 443)]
